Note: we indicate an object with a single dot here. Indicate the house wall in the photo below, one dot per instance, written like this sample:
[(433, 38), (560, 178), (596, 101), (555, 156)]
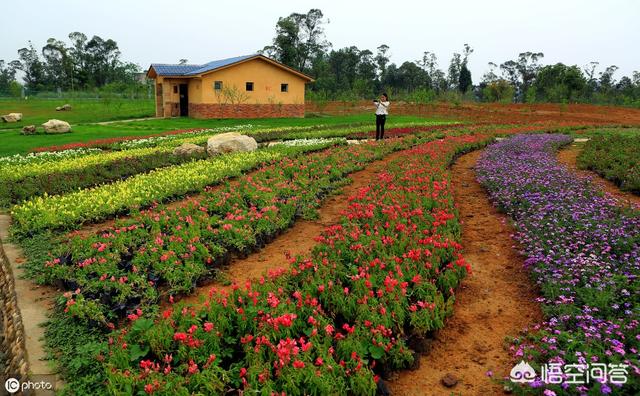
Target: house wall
[(168, 99), (266, 79)]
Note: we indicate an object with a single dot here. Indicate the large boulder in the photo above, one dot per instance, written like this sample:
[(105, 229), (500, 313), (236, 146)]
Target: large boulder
[(56, 126), (65, 107), (29, 130), (230, 143), (188, 149), (12, 117)]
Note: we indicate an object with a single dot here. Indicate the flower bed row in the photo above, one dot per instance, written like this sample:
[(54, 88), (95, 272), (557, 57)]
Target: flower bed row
[(73, 209), (583, 251), (120, 268), (45, 156), (614, 157), (23, 182), (386, 274)]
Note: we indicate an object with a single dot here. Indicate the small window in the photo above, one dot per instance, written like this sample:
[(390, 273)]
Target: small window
[(217, 85), (249, 86), (284, 87), (175, 89)]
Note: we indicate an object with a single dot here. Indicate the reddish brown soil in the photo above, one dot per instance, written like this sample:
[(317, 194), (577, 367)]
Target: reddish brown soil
[(569, 156), (496, 301), (299, 239), (571, 114)]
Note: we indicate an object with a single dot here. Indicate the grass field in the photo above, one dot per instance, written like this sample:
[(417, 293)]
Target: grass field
[(12, 142), (38, 111)]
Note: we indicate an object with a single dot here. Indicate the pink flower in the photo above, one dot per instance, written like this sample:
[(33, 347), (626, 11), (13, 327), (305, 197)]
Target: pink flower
[(208, 326), (193, 367), (298, 364)]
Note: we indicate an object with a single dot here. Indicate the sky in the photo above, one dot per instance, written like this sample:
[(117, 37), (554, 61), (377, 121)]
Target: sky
[(164, 31)]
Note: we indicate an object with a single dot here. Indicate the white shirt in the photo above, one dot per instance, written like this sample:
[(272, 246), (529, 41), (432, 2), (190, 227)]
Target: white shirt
[(381, 108)]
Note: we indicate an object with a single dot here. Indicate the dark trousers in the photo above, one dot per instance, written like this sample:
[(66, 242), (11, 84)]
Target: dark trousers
[(380, 120)]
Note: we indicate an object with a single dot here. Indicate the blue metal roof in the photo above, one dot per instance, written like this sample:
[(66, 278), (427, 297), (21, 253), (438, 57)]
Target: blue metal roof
[(190, 70)]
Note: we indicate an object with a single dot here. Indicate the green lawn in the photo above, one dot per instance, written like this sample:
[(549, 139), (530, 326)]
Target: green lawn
[(12, 142), (39, 111)]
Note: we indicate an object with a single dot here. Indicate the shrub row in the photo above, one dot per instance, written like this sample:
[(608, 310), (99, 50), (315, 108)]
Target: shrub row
[(73, 209), (64, 176), (614, 157)]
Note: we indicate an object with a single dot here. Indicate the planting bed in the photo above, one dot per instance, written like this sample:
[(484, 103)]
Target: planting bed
[(315, 267), (583, 251), (616, 158)]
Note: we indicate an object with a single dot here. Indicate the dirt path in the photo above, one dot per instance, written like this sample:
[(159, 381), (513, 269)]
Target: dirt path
[(496, 301), (569, 157), (33, 302), (298, 239)]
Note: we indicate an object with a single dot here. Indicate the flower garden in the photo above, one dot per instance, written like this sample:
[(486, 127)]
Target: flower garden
[(122, 231)]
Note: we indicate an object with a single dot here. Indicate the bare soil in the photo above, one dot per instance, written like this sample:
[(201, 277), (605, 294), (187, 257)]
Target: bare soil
[(568, 157), (496, 301)]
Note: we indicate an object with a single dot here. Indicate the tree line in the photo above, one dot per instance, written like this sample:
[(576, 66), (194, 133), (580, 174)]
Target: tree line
[(351, 72), (81, 64)]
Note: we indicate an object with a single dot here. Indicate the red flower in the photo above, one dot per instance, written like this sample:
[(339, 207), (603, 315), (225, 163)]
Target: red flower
[(298, 364)]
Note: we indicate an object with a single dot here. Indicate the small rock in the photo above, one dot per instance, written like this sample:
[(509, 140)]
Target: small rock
[(29, 130), (12, 117), (56, 126), (449, 380), (188, 149), (65, 107)]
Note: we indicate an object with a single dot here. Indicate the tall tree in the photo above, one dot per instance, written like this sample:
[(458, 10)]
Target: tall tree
[(32, 67), (7, 75), (464, 81), (382, 59), (299, 39), (58, 64), (453, 76), (522, 72)]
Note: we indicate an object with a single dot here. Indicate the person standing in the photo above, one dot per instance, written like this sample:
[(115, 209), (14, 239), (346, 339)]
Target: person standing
[(382, 110)]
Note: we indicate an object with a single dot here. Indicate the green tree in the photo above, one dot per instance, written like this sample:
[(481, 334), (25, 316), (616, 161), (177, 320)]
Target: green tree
[(522, 71), (32, 67), (7, 76), (299, 39), (464, 80), (559, 83)]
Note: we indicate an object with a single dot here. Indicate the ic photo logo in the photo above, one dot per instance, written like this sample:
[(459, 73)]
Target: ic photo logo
[(12, 385)]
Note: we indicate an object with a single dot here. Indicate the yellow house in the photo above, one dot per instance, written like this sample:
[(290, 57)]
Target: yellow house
[(250, 86)]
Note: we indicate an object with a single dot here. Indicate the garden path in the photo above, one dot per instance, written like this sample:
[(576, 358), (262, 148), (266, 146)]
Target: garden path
[(33, 303), (496, 301)]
